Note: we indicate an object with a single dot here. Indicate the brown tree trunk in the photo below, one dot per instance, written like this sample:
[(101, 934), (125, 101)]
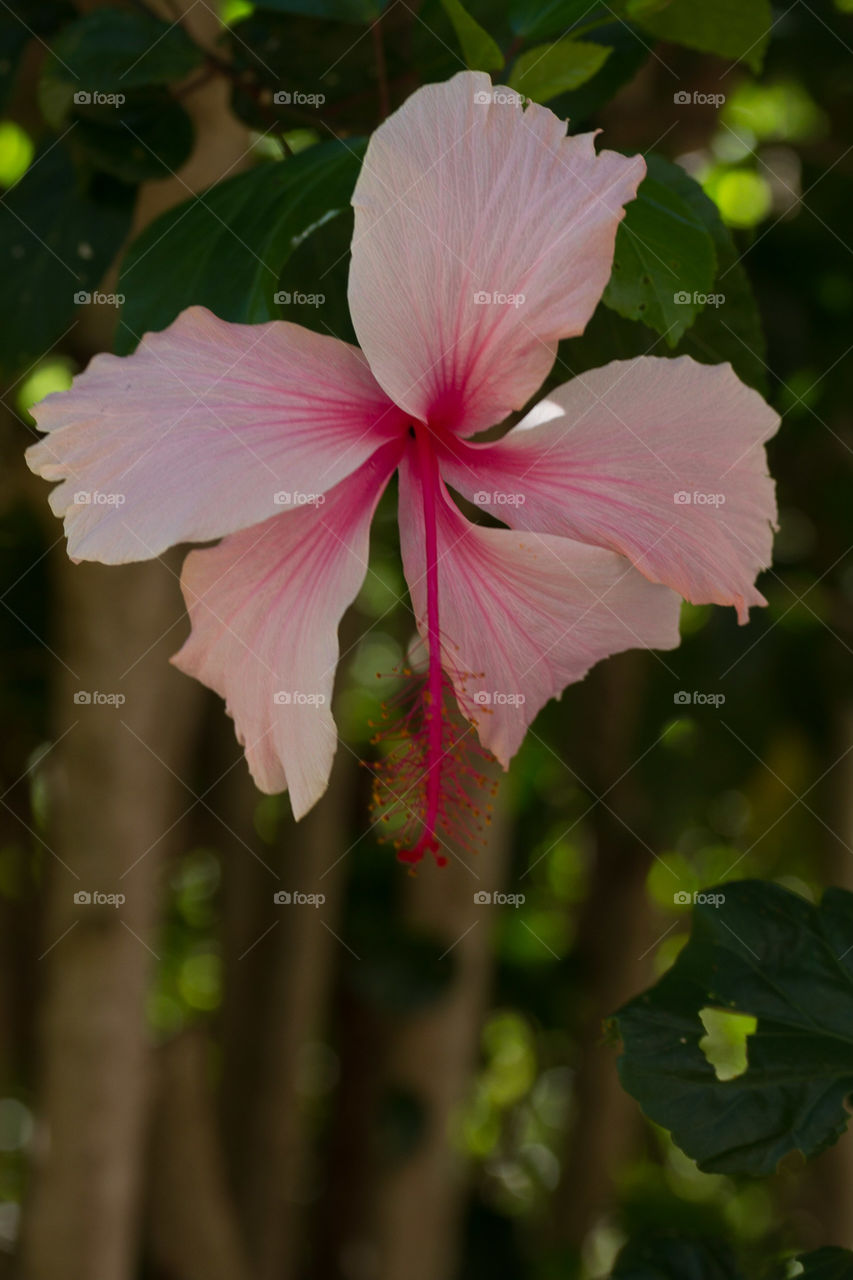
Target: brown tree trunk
[(194, 1230), (432, 1056), (301, 947), (116, 793), (616, 936), (113, 798)]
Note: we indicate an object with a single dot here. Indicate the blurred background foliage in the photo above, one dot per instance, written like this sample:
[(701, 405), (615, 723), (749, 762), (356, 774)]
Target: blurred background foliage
[(622, 796)]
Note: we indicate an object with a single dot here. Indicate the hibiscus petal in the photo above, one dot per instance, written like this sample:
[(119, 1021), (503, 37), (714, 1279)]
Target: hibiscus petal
[(464, 193), (265, 606), (522, 616), (207, 428), (660, 459)]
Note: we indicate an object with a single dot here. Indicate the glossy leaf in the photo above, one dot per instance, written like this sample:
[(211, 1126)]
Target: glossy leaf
[(109, 52), (57, 238), (549, 69), (729, 329), (766, 952), (729, 28), (226, 248), (664, 262), (479, 49)]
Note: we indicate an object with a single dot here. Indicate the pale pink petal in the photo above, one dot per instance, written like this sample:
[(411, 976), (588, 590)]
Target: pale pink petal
[(464, 192), (524, 615), (207, 428), (660, 459), (265, 607)]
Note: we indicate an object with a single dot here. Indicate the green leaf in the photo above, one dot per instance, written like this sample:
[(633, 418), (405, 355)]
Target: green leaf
[(664, 261), (670, 1258), (729, 28), (540, 19), (627, 55), (548, 69), (109, 52), (360, 11), (731, 330), (827, 1264), (480, 51), (769, 953), (227, 247), (149, 137), (57, 238)]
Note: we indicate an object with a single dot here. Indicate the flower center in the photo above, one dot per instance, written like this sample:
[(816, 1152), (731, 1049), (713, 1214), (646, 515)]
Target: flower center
[(427, 783)]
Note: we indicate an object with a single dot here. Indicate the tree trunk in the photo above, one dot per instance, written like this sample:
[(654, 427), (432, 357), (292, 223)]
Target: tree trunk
[(433, 1056), (113, 798)]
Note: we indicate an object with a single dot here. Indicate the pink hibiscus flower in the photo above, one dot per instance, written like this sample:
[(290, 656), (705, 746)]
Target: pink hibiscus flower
[(483, 235)]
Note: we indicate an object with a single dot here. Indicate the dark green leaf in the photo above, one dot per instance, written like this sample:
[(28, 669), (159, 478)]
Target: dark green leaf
[(480, 51), (57, 238), (541, 19), (729, 28), (226, 248), (109, 52), (549, 69), (731, 330), (627, 54), (669, 1258), (827, 1264), (770, 954), (664, 262), (149, 137)]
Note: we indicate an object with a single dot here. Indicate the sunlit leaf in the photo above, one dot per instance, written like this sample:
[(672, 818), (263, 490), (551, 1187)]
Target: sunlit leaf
[(664, 261), (548, 69), (729, 28), (480, 50)]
